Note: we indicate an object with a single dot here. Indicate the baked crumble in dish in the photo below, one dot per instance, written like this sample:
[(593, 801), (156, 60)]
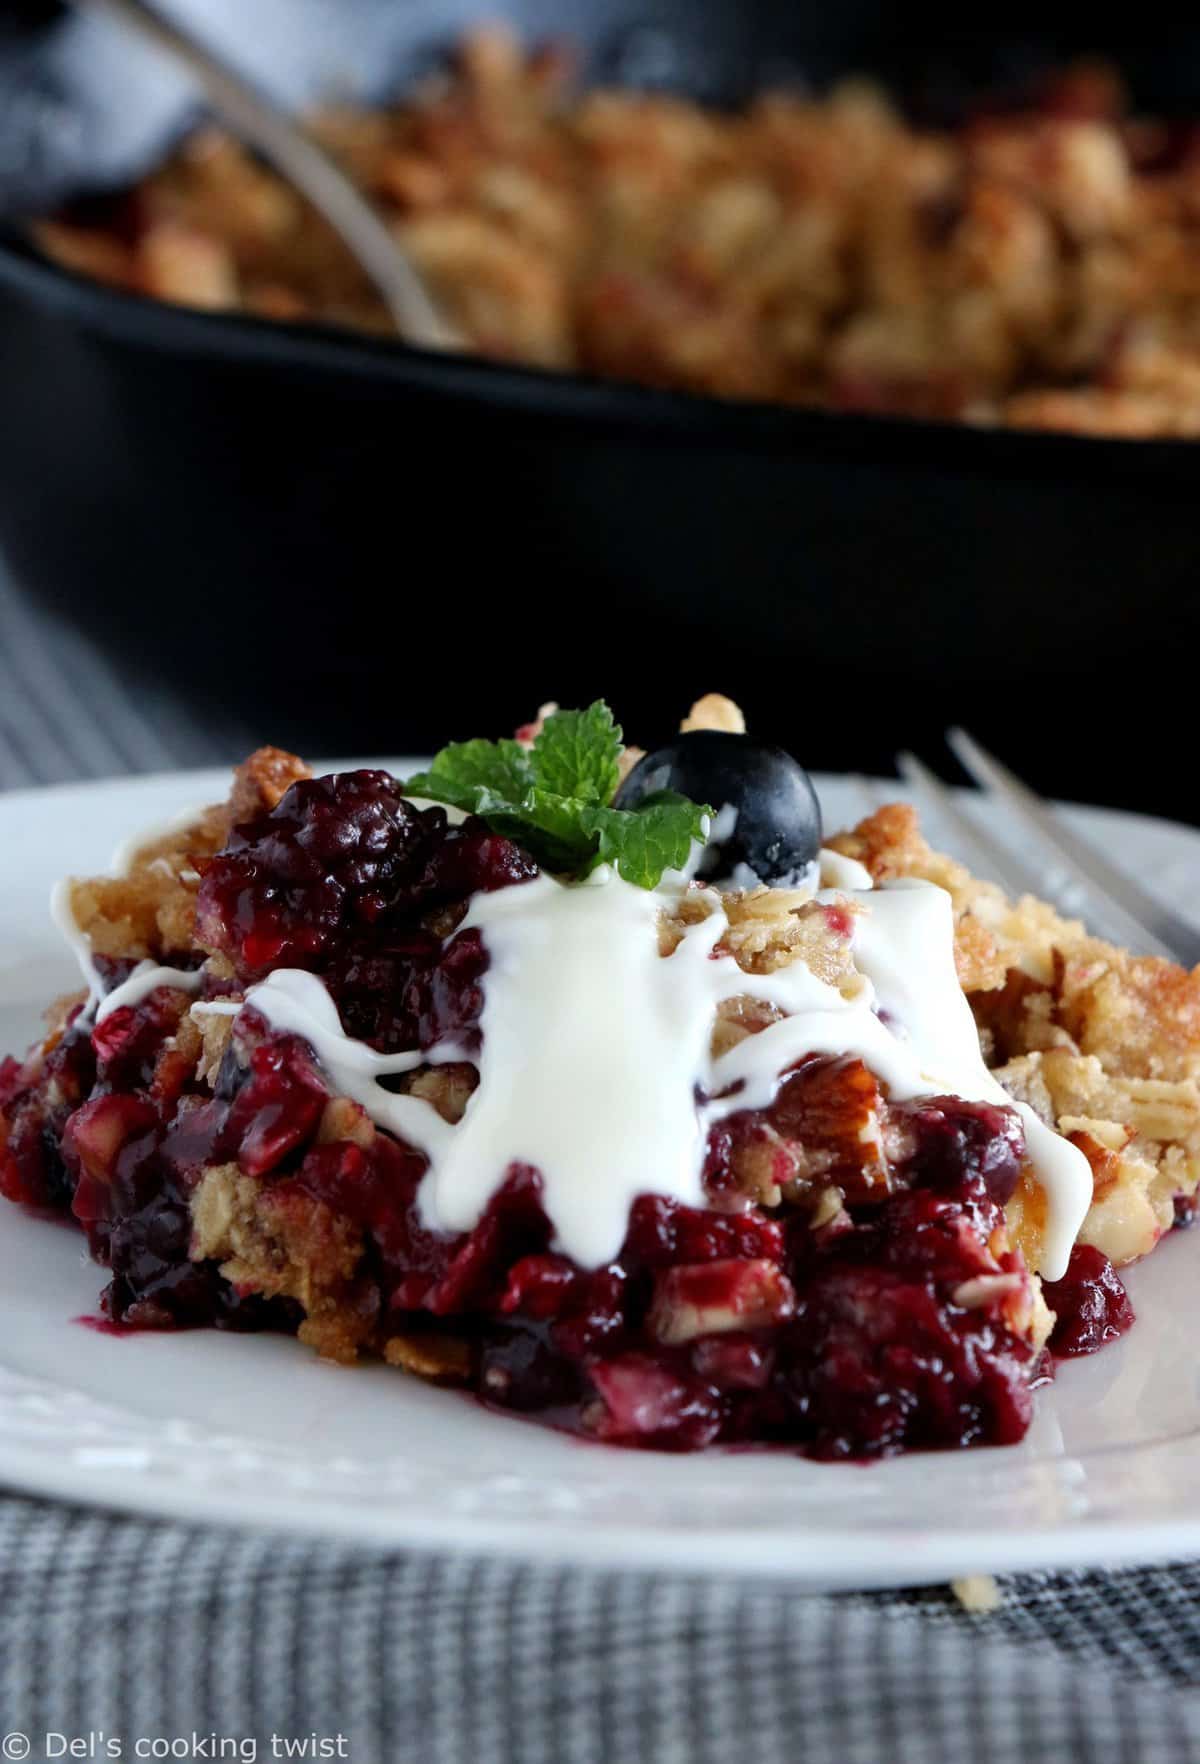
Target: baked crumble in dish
[(599, 1084), (1037, 266)]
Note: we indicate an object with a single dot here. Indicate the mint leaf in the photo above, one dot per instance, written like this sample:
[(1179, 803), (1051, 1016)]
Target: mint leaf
[(472, 774), (577, 753), (551, 828), (656, 837), (554, 799)]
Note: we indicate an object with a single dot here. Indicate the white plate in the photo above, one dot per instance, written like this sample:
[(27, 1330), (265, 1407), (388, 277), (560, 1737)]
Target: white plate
[(254, 1429)]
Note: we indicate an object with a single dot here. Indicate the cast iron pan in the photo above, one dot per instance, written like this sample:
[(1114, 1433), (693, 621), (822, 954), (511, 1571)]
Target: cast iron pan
[(364, 547)]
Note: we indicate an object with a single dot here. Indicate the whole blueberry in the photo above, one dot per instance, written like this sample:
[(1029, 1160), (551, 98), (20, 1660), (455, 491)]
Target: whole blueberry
[(766, 818)]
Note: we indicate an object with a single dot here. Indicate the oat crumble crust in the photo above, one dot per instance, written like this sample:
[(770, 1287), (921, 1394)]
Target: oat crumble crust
[(1103, 1045), (1036, 269)]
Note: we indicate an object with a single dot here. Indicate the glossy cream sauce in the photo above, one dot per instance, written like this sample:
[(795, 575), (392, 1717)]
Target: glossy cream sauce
[(596, 1066)]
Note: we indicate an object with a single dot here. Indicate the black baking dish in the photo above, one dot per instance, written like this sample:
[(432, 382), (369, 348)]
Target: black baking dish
[(350, 540)]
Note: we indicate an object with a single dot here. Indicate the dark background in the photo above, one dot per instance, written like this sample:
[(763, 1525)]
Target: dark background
[(359, 550)]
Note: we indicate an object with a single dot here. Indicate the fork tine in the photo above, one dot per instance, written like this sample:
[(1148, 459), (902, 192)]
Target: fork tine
[(1130, 913), (986, 856)]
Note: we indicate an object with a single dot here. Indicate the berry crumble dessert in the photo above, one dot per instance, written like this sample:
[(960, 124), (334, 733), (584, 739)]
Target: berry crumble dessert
[(1034, 266), (600, 1084)]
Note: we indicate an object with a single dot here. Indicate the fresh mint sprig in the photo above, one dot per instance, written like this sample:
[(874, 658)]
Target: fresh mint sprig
[(555, 798)]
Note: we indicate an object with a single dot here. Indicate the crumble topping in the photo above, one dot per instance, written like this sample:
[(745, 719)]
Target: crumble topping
[(282, 1243), (1033, 268), (978, 1593), (1104, 1045)]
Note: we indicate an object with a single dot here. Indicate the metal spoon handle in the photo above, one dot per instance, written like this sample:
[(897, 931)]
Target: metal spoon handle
[(294, 153)]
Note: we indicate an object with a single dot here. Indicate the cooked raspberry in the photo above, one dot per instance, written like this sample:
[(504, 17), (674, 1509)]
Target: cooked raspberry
[(331, 851), (36, 1109), (12, 1078), (538, 1286), (128, 1041), (877, 1362), (953, 1140), (880, 1359), (513, 1225), (733, 1362), (1090, 1304), (277, 1109), (411, 990), (601, 1310), (661, 1233), (587, 1309), (337, 855), (98, 1136)]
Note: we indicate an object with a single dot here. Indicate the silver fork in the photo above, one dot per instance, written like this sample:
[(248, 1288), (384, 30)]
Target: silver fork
[(294, 152), (1071, 873)]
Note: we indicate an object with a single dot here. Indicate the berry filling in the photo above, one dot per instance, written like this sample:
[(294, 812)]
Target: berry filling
[(1090, 1305)]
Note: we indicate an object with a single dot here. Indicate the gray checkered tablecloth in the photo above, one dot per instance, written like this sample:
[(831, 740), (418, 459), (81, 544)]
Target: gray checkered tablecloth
[(133, 1635)]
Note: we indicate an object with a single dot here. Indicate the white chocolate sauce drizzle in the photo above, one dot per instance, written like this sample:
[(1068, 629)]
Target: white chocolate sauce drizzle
[(596, 1066)]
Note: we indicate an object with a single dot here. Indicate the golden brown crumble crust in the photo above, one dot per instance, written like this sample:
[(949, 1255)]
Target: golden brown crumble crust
[(1037, 270), (279, 1241), (1104, 1045)]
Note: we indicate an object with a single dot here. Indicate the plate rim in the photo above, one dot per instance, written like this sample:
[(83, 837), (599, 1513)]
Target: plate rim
[(865, 1561)]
